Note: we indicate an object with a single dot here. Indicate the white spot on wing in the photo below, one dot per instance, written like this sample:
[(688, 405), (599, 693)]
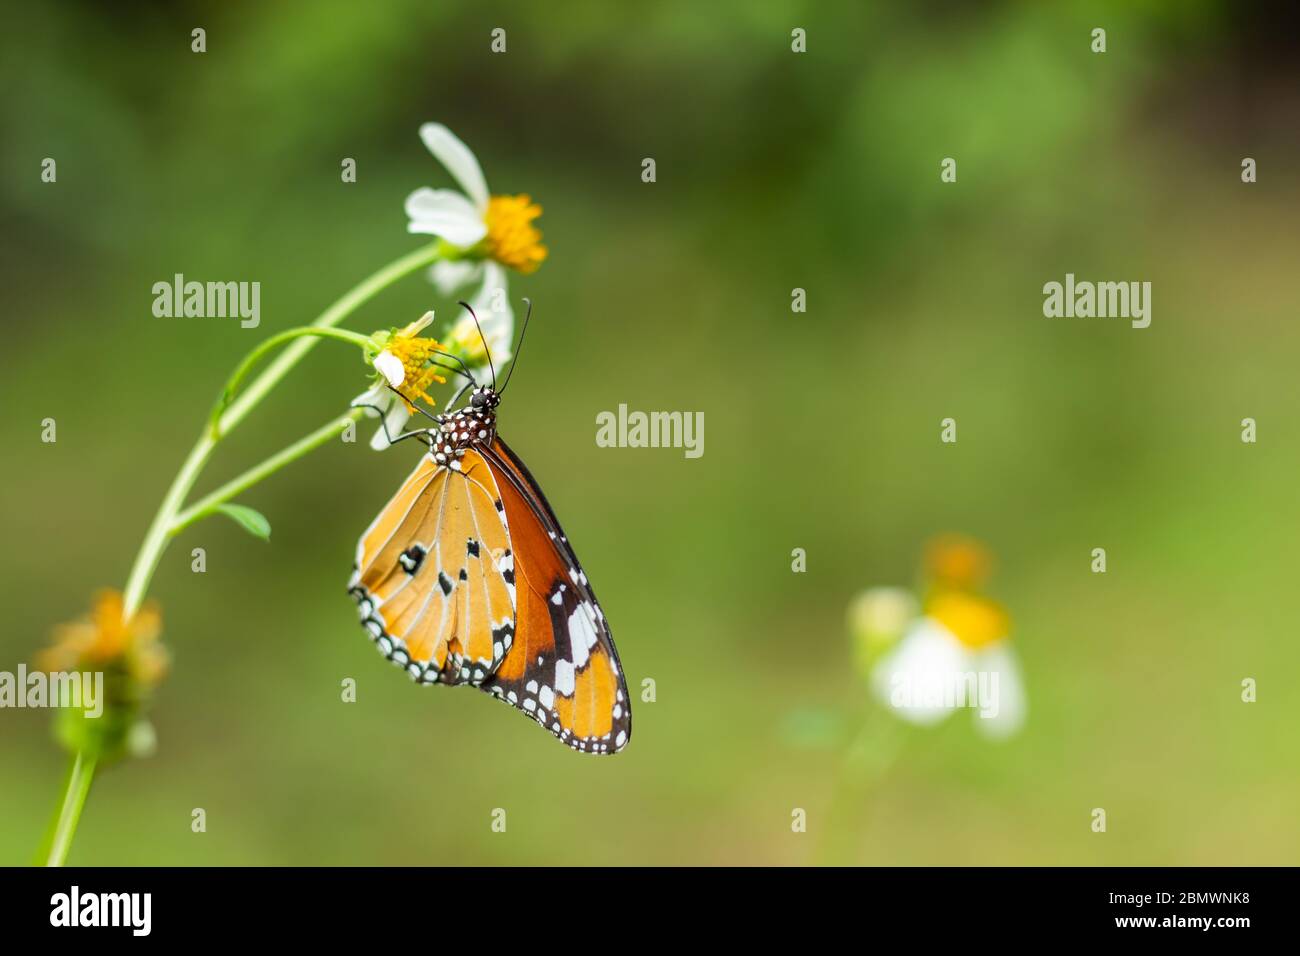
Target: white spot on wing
[(564, 678), (582, 635)]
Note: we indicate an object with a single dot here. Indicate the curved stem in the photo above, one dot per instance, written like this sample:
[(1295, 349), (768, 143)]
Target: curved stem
[(156, 537), (270, 345), (74, 798), (336, 313), (228, 413), (203, 507)]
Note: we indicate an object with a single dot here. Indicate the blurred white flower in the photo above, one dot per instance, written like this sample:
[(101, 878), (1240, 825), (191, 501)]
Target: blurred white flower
[(957, 654)]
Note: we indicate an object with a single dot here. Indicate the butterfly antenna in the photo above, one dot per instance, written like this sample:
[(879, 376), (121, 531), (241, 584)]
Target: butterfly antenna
[(483, 338), (520, 347), (463, 371)]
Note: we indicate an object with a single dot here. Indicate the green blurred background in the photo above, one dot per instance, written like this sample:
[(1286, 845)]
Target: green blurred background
[(775, 171)]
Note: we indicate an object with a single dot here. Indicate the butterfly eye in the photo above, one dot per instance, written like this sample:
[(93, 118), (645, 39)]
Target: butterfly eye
[(478, 399)]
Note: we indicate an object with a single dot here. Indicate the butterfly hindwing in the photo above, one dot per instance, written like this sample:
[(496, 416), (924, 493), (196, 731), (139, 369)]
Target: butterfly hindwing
[(562, 670)]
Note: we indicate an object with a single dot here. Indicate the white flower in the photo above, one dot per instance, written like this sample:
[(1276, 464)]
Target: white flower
[(957, 655), (380, 399), (490, 234)]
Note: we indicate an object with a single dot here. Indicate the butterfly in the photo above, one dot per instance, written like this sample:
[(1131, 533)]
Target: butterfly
[(466, 577)]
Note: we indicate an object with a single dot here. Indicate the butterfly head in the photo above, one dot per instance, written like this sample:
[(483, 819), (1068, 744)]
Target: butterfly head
[(484, 397)]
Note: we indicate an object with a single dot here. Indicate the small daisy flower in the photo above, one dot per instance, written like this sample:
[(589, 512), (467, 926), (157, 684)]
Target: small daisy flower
[(925, 660), (102, 638), (957, 654), (486, 234), (404, 361), (478, 225), (132, 660)]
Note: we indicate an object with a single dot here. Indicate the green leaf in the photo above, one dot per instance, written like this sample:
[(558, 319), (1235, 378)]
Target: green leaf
[(251, 520)]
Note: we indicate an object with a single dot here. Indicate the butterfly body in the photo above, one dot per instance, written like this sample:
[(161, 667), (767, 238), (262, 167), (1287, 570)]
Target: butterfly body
[(458, 433), (467, 578)]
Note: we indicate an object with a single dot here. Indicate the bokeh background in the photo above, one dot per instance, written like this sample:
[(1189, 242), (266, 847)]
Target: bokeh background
[(775, 171)]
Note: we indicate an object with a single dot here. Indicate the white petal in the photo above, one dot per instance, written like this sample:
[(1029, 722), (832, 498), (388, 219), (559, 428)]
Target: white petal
[(395, 420), (914, 678), (443, 213), (458, 159), (486, 299), (420, 324), (390, 367), (377, 397), (492, 303), (1004, 714), (450, 275)]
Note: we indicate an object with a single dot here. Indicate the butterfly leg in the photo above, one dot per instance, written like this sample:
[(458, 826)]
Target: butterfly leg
[(383, 424)]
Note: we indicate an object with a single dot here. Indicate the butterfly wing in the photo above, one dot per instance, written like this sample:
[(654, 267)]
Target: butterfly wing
[(433, 579), (562, 669)]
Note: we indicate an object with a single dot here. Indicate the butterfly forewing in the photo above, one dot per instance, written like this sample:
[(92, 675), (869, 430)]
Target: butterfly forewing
[(433, 581)]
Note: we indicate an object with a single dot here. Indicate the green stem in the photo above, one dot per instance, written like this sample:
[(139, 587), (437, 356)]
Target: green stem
[(270, 345), (257, 473), (155, 538), (868, 754), (74, 798), (228, 413), (159, 532)]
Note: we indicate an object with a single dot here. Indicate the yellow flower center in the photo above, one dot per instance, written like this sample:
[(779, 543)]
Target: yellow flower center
[(512, 239), (416, 355), (468, 345), (976, 622)]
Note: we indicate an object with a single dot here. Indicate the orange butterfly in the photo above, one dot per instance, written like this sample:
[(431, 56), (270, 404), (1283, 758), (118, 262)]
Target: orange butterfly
[(467, 578)]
